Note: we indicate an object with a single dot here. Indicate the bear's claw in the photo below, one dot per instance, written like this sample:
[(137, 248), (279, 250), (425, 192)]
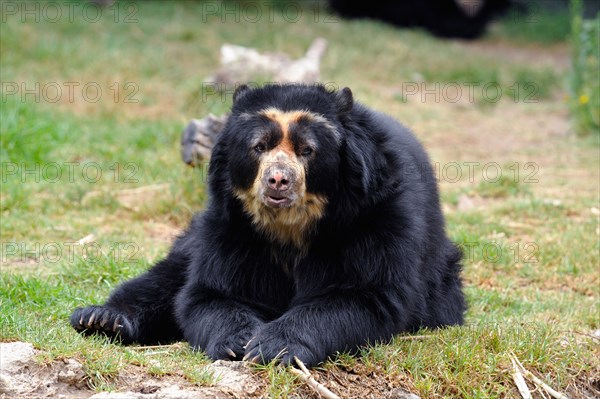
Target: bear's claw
[(103, 320)]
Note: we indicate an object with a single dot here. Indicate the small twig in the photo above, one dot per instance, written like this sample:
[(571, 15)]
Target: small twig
[(581, 333), (302, 366), (520, 381), (176, 346), (86, 239), (339, 380), (538, 382), (150, 353), (413, 337), (305, 376)]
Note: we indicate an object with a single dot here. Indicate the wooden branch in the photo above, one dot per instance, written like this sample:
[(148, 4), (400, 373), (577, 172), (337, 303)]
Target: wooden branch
[(538, 382), (177, 345), (520, 381), (305, 376), (86, 239)]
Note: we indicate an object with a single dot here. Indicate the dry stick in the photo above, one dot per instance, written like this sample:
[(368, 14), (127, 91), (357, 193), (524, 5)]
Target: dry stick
[(584, 334), (538, 382), (310, 381), (86, 239), (520, 381), (176, 346), (413, 337), (305, 376)]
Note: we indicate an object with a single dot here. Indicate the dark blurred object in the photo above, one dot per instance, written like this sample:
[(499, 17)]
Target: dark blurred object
[(466, 19), (199, 136)]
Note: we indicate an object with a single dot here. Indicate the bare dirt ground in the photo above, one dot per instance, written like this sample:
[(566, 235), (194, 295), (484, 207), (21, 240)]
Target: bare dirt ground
[(23, 376)]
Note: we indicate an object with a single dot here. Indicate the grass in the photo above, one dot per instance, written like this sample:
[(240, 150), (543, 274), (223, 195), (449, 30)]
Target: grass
[(72, 168), (541, 21), (584, 81)]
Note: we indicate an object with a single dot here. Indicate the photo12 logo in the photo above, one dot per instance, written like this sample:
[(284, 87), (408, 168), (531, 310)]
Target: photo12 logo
[(475, 171), (490, 172), (454, 92), (69, 252), (266, 11), (223, 92), (70, 11), (497, 252), (69, 92), (68, 172)]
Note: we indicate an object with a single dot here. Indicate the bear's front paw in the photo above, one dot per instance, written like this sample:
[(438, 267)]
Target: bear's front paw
[(273, 342), (230, 346), (103, 320)]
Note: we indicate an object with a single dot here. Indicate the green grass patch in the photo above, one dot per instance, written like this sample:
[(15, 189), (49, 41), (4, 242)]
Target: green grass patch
[(112, 170), (544, 22), (584, 79)]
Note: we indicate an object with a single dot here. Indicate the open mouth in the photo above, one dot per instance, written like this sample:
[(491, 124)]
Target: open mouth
[(277, 201)]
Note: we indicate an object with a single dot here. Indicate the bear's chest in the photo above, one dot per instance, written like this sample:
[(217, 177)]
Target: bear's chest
[(265, 280)]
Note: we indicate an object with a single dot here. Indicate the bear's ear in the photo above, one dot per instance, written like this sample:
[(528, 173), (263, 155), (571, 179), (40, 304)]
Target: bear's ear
[(239, 92), (344, 100), (359, 158)]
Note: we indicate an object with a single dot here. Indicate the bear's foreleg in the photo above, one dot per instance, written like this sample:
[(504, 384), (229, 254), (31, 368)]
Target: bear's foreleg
[(337, 322), (140, 310), (217, 324)]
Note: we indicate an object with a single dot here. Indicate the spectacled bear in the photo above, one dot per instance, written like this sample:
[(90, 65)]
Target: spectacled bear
[(322, 232)]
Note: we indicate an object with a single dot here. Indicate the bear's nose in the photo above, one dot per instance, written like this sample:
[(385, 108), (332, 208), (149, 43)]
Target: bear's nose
[(278, 180)]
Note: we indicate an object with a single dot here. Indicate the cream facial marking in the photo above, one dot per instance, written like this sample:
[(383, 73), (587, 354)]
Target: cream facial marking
[(277, 201)]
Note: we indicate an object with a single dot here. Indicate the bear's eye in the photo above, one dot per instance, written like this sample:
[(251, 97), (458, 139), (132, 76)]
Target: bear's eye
[(260, 148), (306, 152)]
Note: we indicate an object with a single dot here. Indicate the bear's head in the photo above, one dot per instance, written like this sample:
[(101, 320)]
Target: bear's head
[(280, 151)]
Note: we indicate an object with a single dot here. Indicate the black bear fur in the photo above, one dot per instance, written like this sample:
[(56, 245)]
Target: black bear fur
[(442, 18), (374, 262)]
